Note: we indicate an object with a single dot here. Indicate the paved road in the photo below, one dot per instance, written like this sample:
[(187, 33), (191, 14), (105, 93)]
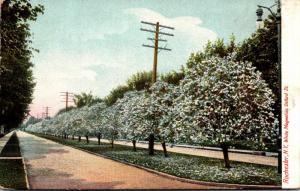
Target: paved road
[(257, 159), (55, 166)]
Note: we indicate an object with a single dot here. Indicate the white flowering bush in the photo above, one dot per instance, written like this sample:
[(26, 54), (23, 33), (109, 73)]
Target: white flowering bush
[(130, 116), (224, 101)]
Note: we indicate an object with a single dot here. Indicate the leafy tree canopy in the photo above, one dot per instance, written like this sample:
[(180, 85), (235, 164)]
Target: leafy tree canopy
[(140, 81), (16, 80), (85, 99)]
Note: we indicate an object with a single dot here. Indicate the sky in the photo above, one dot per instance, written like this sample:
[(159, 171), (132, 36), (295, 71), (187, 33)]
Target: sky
[(95, 45)]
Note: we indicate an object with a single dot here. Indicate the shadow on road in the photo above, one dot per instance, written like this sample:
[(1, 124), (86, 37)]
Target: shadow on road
[(35, 148), (60, 180)]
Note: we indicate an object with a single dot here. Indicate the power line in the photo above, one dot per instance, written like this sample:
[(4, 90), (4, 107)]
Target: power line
[(156, 40)]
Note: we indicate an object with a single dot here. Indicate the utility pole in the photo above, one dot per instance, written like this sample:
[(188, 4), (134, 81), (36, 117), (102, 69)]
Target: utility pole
[(67, 98), (157, 33), (46, 113)]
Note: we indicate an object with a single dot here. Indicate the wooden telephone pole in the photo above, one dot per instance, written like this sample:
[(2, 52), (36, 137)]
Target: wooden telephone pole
[(157, 33), (67, 98), (46, 113)]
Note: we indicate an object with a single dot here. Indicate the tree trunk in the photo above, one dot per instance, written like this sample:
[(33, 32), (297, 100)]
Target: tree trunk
[(134, 145), (112, 143), (87, 139), (151, 144), (224, 147), (79, 138), (72, 137), (99, 137), (163, 144)]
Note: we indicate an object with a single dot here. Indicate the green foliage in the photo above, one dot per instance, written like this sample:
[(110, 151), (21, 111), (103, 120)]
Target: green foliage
[(217, 48), (116, 94), (172, 77), (84, 99), (64, 110), (140, 81), (16, 80), (12, 174)]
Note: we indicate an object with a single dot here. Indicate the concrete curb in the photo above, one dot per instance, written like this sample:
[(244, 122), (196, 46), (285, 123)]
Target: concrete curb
[(221, 185), (24, 166), (26, 174)]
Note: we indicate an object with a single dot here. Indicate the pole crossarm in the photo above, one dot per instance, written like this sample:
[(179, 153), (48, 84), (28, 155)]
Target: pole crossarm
[(67, 96), (152, 31), (154, 24), (156, 41), (163, 40), (160, 48)]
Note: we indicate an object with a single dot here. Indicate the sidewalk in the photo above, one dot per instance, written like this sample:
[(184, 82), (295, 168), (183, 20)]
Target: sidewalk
[(249, 158), (55, 166)]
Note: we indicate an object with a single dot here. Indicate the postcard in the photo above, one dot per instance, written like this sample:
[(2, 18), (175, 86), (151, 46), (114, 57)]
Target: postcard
[(127, 94)]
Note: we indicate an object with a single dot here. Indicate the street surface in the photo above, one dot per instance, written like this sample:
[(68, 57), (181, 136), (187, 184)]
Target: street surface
[(54, 166)]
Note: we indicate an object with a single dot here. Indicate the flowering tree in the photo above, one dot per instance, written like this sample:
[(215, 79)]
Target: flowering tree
[(95, 117), (85, 125), (224, 100), (111, 122), (160, 112), (130, 115)]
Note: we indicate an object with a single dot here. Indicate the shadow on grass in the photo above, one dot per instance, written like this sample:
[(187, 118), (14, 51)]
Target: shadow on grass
[(12, 174)]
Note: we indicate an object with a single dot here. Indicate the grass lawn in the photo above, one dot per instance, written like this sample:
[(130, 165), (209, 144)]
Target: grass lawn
[(182, 165), (12, 174)]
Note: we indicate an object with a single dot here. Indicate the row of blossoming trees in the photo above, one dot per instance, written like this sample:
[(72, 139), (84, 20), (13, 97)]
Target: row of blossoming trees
[(219, 99)]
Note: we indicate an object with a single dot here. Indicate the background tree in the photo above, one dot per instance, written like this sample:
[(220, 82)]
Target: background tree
[(173, 77), (140, 81), (217, 48), (116, 94), (16, 80), (63, 110), (85, 99)]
